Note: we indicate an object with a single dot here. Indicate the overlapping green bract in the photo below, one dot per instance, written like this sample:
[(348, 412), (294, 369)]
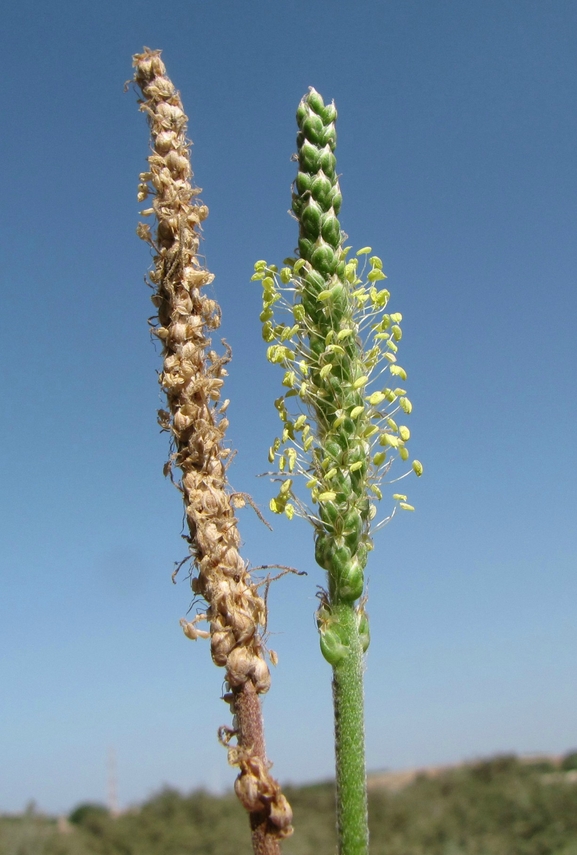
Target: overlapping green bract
[(326, 324)]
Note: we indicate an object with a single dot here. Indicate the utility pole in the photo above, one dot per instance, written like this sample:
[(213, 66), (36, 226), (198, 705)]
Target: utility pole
[(112, 784)]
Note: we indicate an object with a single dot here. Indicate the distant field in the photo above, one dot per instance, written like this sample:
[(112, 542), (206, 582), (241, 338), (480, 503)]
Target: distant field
[(501, 806)]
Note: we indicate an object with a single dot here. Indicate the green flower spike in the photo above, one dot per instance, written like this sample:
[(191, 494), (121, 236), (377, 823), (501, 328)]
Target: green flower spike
[(326, 325)]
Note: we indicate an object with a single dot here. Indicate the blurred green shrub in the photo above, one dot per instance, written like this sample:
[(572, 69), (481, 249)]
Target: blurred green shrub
[(569, 761), (499, 806)]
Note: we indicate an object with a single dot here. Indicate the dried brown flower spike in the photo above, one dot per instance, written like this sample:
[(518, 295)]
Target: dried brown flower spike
[(192, 379)]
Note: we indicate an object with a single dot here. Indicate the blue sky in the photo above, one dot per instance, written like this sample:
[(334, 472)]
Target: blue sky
[(457, 128)]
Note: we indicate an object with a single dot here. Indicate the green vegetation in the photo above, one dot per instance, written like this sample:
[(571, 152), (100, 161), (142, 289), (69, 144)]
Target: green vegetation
[(496, 807), (570, 761)]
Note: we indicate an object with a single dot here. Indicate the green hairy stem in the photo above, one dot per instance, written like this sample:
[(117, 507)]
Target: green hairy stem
[(348, 701), (341, 541), (328, 328)]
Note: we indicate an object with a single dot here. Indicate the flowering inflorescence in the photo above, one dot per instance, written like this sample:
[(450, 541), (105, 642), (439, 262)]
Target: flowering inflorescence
[(368, 406), (326, 323)]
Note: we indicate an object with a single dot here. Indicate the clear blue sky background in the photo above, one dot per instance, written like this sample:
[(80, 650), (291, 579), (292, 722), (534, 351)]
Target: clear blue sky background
[(457, 139)]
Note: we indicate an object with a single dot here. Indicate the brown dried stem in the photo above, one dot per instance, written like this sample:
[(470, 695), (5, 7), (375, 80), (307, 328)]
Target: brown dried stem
[(192, 378)]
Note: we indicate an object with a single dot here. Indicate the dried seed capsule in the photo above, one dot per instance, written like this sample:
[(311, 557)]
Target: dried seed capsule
[(192, 378)]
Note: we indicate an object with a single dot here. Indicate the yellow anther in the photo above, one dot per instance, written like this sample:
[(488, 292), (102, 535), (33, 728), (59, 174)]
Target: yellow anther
[(350, 271), (276, 506), (376, 398), (389, 439), (345, 333), (361, 381), (398, 371), (292, 457), (374, 275)]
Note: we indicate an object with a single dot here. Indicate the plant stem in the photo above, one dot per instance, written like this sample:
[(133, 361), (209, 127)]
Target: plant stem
[(348, 701), (342, 540), (248, 710)]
